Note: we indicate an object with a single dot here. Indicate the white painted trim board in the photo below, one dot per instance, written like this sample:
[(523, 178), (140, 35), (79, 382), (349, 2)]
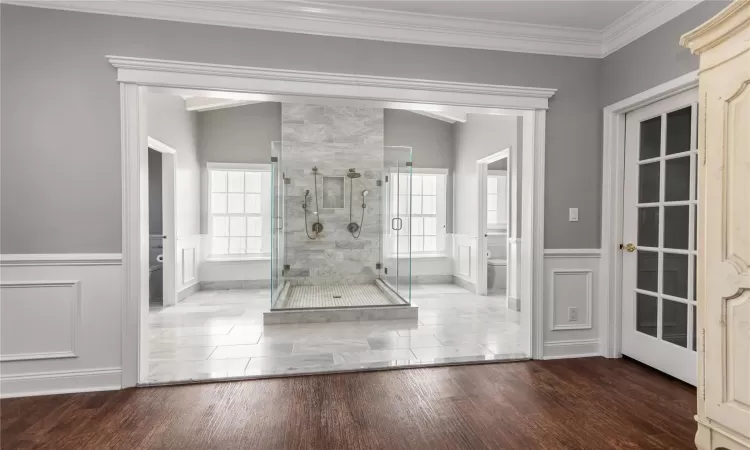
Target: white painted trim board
[(61, 259)]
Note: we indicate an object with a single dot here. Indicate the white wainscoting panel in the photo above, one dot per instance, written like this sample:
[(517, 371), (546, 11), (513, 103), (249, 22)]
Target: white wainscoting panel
[(39, 319), (465, 255), (189, 257), (576, 287), (514, 263), (188, 265), (61, 321), (571, 278)]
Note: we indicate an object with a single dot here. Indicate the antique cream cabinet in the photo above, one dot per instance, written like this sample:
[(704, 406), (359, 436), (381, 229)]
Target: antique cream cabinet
[(723, 269)]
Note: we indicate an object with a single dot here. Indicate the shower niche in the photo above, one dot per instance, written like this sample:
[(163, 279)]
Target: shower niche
[(341, 213), (333, 192)]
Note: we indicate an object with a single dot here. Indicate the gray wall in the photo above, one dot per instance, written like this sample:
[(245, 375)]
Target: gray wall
[(655, 58), (498, 165), (55, 61), (481, 135), (172, 124), (432, 146), (154, 192), (242, 134)]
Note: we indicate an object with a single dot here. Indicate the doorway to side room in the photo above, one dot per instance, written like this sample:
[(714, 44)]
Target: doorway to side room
[(161, 262), (496, 223)]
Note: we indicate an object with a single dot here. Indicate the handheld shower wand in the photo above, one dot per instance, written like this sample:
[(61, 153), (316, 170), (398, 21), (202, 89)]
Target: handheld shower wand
[(304, 206), (317, 227), (354, 228)]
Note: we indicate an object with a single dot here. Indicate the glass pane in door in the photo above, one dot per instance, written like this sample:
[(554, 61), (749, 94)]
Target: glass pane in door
[(646, 313), (665, 210), (674, 322), (650, 138), (397, 234)]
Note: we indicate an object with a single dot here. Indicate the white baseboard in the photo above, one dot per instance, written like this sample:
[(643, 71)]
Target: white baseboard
[(468, 285), (580, 348), (64, 382), (188, 291)]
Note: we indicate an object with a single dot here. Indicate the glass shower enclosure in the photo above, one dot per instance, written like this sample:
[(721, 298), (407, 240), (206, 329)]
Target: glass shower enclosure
[(340, 228)]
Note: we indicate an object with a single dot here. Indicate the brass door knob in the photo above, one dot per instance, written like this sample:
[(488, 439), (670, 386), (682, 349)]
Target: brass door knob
[(630, 247)]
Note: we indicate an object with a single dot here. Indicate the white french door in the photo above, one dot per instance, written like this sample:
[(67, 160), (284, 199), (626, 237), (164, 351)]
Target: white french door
[(659, 238)]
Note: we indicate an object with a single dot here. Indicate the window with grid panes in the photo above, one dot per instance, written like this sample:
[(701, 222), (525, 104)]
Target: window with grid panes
[(427, 224), (239, 211)]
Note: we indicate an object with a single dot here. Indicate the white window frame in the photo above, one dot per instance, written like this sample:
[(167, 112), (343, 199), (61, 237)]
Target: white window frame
[(440, 212), (265, 209), (502, 202)]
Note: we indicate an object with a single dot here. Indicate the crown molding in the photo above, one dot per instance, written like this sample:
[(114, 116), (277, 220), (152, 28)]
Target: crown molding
[(353, 22), (308, 17), (641, 20)]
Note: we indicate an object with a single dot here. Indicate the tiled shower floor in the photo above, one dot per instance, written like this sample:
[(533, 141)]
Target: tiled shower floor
[(220, 334), (335, 296)]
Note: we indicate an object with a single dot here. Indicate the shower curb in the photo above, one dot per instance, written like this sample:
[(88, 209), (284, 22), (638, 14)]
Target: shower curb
[(351, 314)]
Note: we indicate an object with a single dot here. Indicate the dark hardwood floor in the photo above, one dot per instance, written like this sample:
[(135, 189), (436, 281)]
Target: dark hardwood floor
[(591, 403)]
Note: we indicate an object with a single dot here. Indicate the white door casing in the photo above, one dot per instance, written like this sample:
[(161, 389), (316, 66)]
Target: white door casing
[(659, 207)]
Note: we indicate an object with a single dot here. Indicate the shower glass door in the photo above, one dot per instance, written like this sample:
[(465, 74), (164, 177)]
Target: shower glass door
[(397, 229), (278, 244)]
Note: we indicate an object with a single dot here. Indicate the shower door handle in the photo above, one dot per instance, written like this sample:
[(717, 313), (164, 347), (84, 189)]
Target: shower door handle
[(280, 222), (394, 222)]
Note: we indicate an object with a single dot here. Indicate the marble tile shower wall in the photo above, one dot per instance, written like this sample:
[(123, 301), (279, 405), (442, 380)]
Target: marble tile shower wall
[(334, 139)]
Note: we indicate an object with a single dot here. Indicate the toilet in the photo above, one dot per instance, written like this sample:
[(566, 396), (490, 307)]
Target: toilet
[(497, 263), (155, 272)]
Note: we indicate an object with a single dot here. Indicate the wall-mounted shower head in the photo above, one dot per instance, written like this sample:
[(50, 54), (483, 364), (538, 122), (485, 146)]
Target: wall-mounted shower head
[(365, 192), (353, 174), (307, 192)]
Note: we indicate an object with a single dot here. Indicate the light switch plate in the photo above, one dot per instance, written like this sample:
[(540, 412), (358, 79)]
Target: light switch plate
[(573, 214)]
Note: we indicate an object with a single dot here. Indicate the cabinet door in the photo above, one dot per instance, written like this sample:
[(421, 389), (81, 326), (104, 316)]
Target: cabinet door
[(724, 244)]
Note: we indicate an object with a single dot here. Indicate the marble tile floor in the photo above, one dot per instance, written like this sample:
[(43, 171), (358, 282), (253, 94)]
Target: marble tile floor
[(220, 334)]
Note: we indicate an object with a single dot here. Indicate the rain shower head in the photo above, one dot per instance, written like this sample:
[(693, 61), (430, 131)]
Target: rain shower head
[(365, 192), (353, 174)]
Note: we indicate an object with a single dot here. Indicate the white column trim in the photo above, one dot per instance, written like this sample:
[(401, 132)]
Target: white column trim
[(613, 167), (532, 223)]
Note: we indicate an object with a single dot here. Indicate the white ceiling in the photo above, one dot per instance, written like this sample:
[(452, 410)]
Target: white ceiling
[(582, 28), (588, 14)]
